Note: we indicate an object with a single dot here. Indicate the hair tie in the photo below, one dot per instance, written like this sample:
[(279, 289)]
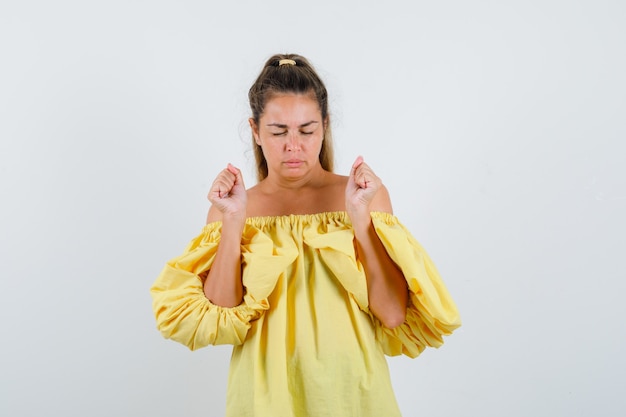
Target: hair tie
[(286, 62)]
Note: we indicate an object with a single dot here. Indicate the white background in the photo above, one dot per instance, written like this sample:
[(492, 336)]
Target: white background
[(498, 127)]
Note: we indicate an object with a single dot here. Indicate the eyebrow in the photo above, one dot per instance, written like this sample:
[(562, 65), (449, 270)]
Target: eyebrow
[(282, 126)]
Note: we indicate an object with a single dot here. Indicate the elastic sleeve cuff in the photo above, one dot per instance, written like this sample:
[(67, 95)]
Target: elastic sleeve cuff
[(182, 311), (431, 313)]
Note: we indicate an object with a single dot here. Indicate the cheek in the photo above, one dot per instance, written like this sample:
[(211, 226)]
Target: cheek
[(271, 147), (317, 145)]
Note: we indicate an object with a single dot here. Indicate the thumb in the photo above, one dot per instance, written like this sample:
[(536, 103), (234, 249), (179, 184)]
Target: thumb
[(358, 161), (236, 172)]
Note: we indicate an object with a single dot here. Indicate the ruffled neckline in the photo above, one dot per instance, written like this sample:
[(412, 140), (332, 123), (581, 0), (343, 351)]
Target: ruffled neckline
[(310, 218), (340, 216)]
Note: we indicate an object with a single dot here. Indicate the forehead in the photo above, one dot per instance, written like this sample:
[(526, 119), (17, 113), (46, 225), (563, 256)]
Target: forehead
[(291, 108)]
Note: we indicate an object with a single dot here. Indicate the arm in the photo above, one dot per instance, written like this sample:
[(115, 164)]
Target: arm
[(223, 285), (386, 286)]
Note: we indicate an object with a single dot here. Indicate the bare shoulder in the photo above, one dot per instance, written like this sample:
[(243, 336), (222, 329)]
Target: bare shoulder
[(335, 188), (382, 201), (336, 180), (214, 215), (257, 200)]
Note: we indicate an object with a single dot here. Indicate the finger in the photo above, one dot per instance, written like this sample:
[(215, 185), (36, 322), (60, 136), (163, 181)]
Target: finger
[(223, 184), (358, 161), (230, 167), (236, 172), (362, 180), (362, 173), (223, 187), (223, 192)]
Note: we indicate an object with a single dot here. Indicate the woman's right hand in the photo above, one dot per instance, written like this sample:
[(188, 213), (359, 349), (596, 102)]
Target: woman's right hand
[(228, 197), (228, 194)]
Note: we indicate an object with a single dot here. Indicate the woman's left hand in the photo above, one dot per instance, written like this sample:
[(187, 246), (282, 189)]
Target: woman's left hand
[(362, 186)]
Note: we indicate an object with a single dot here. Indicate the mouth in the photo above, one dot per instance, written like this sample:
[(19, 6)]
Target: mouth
[(293, 163)]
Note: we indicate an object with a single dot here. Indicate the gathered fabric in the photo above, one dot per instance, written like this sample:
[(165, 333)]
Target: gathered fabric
[(305, 341)]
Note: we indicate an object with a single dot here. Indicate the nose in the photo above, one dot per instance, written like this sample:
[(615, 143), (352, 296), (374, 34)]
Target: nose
[(292, 143)]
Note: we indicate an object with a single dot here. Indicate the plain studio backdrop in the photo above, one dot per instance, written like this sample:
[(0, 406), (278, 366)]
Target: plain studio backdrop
[(498, 128)]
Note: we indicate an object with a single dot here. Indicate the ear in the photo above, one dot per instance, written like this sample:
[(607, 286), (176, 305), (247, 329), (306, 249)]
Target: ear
[(255, 130)]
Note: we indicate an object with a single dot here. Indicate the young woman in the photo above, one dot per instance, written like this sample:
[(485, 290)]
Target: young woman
[(308, 273)]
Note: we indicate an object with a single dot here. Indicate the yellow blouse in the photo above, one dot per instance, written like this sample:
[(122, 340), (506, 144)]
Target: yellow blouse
[(305, 342)]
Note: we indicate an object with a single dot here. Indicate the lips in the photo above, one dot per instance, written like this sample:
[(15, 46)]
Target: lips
[(293, 163)]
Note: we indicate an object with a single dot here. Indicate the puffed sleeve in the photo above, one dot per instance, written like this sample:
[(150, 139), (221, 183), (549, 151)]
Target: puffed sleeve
[(182, 311), (431, 313)]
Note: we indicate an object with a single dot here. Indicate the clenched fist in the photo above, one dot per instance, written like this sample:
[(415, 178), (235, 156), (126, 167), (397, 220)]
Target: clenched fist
[(362, 186), (228, 193)]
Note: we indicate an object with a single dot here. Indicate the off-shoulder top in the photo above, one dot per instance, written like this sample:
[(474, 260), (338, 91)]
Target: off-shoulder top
[(305, 341)]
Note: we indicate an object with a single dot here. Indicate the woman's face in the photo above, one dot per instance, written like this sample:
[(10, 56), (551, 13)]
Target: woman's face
[(290, 133)]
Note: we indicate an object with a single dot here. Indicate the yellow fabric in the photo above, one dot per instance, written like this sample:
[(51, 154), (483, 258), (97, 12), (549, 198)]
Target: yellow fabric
[(305, 342)]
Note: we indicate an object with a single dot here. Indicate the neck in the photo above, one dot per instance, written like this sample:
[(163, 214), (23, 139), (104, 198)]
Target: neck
[(278, 183)]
